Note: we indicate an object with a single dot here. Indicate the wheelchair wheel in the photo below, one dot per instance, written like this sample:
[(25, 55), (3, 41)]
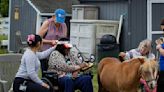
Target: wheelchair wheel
[(45, 80)]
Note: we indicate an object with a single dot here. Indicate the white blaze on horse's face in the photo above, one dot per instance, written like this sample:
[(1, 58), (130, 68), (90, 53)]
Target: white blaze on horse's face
[(149, 73), (151, 79)]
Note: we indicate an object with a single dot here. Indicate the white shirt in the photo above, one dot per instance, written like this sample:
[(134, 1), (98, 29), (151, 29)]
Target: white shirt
[(134, 53)]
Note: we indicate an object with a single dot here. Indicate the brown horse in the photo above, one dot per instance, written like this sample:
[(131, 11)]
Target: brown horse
[(114, 76)]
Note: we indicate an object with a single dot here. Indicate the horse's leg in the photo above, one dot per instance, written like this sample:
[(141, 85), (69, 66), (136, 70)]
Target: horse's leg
[(99, 83)]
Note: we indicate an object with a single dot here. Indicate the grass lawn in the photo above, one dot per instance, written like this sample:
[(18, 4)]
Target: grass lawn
[(3, 37), (3, 50), (94, 80)]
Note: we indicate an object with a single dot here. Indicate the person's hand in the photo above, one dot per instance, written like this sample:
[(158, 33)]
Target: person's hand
[(54, 42), (75, 74), (158, 46), (122, 54), (158, 41), (46, 85), (83, 65)]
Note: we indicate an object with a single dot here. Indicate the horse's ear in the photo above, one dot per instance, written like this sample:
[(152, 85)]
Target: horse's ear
[(141, 59)]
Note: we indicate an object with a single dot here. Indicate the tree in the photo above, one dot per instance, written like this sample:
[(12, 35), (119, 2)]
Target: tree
[(4, 8)]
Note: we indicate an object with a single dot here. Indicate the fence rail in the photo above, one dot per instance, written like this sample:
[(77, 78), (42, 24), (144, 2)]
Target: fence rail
[(9, 64)]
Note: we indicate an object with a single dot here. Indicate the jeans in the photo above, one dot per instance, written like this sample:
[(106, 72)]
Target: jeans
[(31, 86), (83, 83)]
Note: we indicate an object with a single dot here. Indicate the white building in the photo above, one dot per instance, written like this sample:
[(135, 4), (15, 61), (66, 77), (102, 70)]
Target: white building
[(4, 26)]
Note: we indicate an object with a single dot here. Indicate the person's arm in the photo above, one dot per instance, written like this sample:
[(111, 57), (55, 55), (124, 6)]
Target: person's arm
[(129, 55), (42, 32), (58, 62), (44, 28), (46, 53), (124, 55), (30, 62), (65, 30), (152, 56), (160, 49)]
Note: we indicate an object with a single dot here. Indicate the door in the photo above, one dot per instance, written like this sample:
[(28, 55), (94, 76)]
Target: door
[(155, 13)]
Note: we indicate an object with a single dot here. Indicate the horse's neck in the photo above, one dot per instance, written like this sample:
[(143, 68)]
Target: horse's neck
[(134, 67)]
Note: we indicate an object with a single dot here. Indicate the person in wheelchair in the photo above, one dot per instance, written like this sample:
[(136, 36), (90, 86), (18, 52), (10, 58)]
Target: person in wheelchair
[(68, 66), (26, 79)]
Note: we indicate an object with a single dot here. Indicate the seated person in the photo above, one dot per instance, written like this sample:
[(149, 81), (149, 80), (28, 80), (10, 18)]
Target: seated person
[(68, 66), (144, 49)]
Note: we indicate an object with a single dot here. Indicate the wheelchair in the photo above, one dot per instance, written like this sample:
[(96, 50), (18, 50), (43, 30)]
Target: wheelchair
[(51, 78)]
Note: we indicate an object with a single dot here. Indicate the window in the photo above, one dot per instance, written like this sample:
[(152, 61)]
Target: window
[(6, 22)]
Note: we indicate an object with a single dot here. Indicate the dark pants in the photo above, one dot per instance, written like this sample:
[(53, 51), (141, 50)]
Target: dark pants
[(44, 65), (83, 83), (31, 86), (160, 82)]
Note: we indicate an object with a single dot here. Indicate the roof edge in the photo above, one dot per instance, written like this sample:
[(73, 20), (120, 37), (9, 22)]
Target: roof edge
[(36, 9), (50, 14)]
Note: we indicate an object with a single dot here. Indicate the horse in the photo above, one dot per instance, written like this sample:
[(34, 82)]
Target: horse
[(117, 76)]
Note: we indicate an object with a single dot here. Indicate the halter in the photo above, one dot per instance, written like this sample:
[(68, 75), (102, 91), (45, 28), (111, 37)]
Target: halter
[(151, 80), (147, 81)]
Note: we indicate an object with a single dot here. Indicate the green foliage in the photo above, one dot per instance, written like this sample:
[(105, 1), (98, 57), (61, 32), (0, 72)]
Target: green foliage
[(4, 8)]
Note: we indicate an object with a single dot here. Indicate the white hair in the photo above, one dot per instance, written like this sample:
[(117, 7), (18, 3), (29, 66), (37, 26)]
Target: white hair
[(145, 44)]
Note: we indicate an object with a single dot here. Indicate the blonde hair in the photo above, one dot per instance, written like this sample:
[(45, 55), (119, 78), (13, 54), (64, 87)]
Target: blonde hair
[(145, 44)]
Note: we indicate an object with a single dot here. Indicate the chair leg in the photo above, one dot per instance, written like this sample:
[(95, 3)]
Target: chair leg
[(11, 88), (3, 82)]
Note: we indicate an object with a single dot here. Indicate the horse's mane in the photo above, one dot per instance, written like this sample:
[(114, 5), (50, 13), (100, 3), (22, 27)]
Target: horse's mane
[(142, 59), (149, 63)]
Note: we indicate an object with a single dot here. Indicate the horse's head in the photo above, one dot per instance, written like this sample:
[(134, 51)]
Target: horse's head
[(149, 71)]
